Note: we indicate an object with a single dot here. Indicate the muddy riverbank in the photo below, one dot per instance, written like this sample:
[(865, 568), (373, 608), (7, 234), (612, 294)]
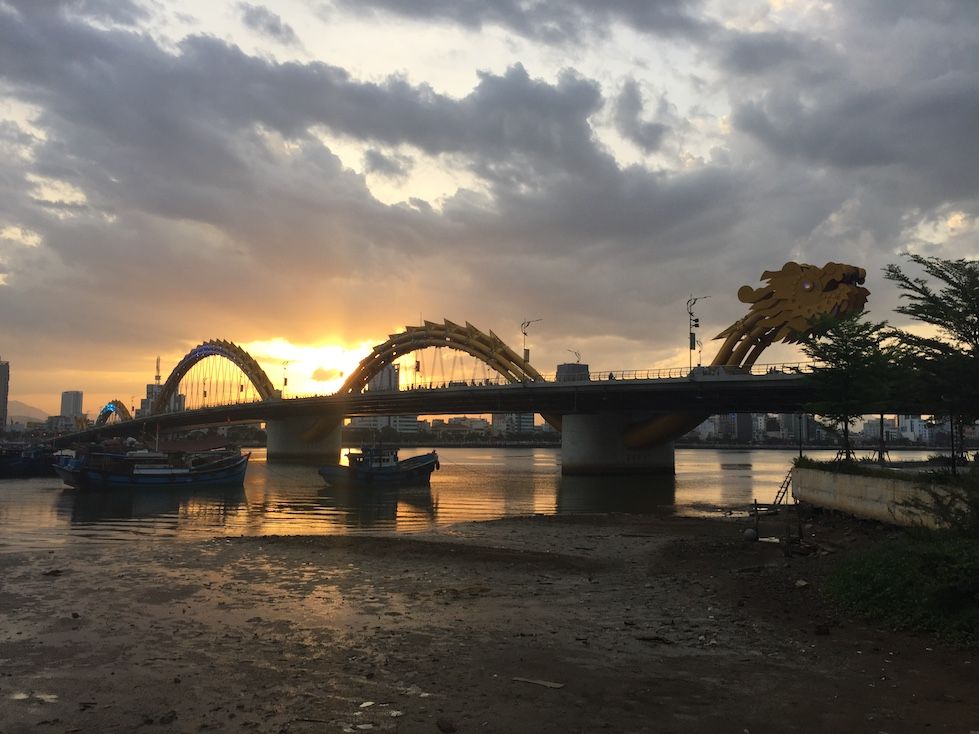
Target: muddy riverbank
[(567, 624)]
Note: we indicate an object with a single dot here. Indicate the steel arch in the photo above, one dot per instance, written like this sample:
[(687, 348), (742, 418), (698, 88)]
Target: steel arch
[(113, 407), (486, 347), (215, 348)]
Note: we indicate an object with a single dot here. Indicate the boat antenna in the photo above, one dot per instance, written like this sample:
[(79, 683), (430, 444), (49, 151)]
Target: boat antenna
[(577, 355)]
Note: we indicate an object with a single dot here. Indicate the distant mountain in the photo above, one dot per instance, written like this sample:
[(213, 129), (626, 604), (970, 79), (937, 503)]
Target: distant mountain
[(18, 411)]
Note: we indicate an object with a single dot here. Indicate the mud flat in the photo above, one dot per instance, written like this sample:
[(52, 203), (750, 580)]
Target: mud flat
[(581, 624)]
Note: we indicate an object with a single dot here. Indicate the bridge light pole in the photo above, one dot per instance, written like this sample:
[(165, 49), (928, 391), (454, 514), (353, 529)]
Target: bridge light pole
[(523, 330), (693, 323)]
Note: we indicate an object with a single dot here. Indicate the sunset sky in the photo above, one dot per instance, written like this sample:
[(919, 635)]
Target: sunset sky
[(305, 177)]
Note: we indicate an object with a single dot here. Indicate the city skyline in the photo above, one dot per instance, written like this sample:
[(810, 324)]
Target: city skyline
[(304, 179)]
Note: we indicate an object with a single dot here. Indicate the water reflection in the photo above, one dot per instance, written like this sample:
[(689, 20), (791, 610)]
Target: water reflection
[(644, 494), (366, 507), (209, 506), (472, 485)]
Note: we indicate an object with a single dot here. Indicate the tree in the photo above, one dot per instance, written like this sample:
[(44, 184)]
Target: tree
[(853, 370), (947, 363)]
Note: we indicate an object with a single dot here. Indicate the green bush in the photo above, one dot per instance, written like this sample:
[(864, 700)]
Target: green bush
[(925, 581)]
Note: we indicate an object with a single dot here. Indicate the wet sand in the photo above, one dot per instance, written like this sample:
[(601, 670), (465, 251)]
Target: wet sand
[(570, 624)]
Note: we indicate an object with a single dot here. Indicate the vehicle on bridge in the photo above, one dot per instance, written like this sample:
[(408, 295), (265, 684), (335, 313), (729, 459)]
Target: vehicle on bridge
[(380, 465), (100, 469)]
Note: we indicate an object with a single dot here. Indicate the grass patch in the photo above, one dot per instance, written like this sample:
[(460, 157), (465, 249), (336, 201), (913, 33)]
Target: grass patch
[(922, 581), (966, 478)]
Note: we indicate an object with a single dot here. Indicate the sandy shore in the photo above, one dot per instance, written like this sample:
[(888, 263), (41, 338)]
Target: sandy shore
[(580, 624)]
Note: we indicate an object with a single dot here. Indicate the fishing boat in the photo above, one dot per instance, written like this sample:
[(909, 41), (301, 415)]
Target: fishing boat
[(143, 468), (380, 465), (22, 460)]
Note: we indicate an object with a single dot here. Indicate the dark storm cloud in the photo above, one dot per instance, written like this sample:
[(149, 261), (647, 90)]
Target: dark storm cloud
[(627, 117), (392, 166), (123, 12), (553, 21), (754, 53), (927, 128), (264, 21)]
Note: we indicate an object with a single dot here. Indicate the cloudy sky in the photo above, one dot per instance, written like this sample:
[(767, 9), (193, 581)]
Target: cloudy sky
[(304, 177)]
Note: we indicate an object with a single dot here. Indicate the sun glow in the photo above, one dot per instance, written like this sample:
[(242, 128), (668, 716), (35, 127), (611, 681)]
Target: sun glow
[(309, 369)]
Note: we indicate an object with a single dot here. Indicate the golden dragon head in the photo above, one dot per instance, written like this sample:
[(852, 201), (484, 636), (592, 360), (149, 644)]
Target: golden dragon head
[(794, 298)]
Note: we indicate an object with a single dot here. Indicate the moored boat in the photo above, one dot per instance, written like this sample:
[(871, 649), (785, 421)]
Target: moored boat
[(97, 469), (380, 465), (22, 460)]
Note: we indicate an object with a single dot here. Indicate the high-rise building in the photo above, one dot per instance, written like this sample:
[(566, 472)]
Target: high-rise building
[(387, 380), (71, 403), (4, 388), (513, 423), (177, 402)]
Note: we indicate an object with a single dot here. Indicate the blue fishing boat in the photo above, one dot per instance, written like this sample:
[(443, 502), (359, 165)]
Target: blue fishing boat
[(380, 465), (133, 470)]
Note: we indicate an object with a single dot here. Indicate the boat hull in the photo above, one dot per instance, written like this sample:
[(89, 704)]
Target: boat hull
[(414, 471), (231, 474)]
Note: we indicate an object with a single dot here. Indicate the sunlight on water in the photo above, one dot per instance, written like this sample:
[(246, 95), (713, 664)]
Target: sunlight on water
[(473, 484)]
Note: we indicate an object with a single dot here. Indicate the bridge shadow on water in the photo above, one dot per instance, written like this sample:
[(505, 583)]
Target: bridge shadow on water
[(635, 495)]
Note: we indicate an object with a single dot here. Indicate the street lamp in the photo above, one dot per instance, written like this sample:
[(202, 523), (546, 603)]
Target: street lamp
[(523, 330), (693, 323)]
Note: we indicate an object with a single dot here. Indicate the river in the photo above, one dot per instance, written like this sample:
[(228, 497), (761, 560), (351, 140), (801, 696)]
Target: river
[(473, 484)]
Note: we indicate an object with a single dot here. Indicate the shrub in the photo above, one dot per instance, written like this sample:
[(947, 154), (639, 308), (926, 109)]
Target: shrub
[(925, 581)]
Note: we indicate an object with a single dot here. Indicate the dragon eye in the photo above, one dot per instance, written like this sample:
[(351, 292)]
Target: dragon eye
[(806, 285)]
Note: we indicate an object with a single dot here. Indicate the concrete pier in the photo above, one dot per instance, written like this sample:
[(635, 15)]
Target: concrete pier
[(289, 441), (592, 443)]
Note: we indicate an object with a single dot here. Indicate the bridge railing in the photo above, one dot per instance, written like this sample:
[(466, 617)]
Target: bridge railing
[(664, 373)]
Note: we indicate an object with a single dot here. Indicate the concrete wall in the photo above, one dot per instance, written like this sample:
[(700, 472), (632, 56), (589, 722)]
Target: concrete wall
[(873, 498)]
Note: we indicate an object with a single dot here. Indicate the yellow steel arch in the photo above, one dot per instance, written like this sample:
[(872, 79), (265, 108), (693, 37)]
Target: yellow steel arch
[(488, 348), (215, 348)]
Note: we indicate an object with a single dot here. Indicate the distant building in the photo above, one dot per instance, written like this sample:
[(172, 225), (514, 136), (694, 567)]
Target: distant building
[(744, 427), (387, 380), (513, 423), (4, 390), (794, 423), (914, 428), (400, 423), (60, 424), (177, 402), (71, 403)]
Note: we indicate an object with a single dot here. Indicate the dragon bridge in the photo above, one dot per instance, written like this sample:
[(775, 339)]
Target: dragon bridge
[(214, 348), (786, 308), (113, 408), (488, 348)]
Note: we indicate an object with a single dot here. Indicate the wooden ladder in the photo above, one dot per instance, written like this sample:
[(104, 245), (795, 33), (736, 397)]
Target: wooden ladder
[(783, 491)]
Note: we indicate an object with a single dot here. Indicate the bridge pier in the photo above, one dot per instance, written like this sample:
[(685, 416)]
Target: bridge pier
[(289, 440), (592, 443)]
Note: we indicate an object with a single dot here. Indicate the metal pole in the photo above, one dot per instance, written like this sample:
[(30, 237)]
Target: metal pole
[(800, 435), (692, 323)]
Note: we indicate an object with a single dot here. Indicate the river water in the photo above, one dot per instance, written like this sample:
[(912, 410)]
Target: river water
[(473, 484)]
